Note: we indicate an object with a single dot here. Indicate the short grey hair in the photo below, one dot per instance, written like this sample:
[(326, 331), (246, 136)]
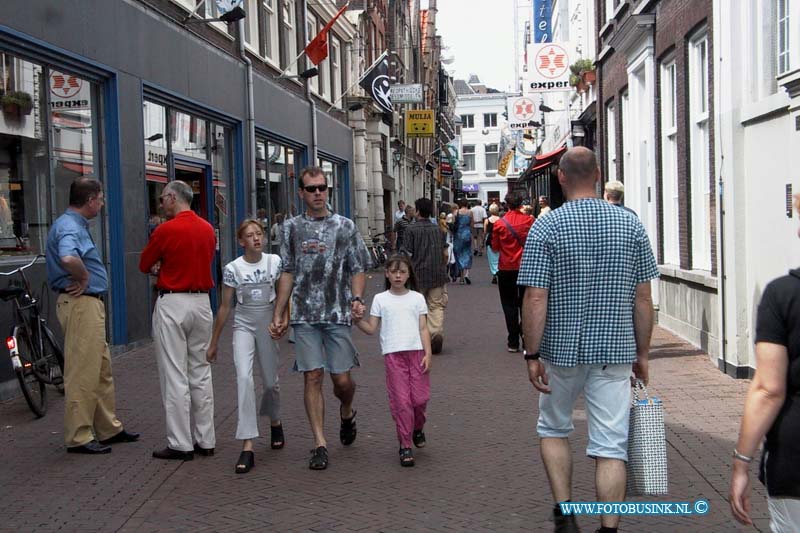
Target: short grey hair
[(181, 189)]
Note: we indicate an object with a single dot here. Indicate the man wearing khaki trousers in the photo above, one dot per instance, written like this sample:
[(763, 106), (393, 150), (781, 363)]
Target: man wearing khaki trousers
[(76, 271), (180, 253)]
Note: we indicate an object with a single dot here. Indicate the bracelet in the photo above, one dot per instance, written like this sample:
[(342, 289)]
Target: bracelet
[(743, 458)]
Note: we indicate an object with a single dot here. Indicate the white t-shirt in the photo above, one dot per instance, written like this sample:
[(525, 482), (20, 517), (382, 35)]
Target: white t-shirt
[(399, 320), (478, 215), (399, 214), (265, 273)]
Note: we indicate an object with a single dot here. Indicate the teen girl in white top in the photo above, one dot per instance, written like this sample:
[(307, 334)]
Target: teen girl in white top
[(252, 278)]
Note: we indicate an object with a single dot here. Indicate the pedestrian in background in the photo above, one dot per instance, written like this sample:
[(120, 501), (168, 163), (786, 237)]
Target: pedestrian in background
[(772, 409), (401, 225), (614, 192), (462, 238), (508, 238), (323, 261), (400, 312), (76, 271), (478, 213), (492, 254), (180, 252), (426, 244), (251, 278), (587, 320), (544, 206)]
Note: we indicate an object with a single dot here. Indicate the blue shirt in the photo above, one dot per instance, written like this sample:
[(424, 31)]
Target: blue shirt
[(590, 255), (69, 236)]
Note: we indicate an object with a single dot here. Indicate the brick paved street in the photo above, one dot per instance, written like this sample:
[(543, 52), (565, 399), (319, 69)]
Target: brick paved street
[(480, 472)]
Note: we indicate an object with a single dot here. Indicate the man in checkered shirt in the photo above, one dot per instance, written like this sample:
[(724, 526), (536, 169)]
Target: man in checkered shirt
[(588, 313)]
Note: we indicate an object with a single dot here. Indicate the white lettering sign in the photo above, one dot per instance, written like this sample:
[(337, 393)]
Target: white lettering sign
[(549, 67), (406, 94)]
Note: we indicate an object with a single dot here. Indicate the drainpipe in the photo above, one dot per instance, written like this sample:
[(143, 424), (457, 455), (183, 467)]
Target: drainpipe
[(250, 153), (312, 104)]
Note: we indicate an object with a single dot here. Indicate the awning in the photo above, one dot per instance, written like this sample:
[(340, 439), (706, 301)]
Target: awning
[(83, 170), (550, 156)]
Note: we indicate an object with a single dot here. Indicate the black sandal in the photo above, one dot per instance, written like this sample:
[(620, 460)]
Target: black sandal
[(406, 457), (319, 458), (347, 431), (419, 438), (247, 460), (276, 437)]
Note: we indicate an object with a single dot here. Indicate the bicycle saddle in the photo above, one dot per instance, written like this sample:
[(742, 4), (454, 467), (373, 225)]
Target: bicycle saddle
[(9, 293)]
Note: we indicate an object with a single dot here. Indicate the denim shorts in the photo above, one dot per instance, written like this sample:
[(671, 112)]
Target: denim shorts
[(326, 346), (607, 394)]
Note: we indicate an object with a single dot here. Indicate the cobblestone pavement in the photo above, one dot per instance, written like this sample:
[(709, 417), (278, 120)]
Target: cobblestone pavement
[(481, 470)]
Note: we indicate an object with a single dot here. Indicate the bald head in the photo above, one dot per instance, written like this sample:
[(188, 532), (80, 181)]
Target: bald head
[(579, 166)]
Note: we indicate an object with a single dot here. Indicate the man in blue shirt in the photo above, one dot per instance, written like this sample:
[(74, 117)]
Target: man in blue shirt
[(587, 321), (76, 271)]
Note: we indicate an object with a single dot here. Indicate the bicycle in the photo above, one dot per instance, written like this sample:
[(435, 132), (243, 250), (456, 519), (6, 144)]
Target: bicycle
[(377, 251), (36, 356)]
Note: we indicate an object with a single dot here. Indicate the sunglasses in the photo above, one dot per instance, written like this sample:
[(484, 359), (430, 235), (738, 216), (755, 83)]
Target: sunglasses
[(316, 188)]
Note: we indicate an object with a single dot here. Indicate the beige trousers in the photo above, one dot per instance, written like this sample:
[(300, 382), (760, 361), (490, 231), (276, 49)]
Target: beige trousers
[(436, 298), (89, 388), (181, 333)]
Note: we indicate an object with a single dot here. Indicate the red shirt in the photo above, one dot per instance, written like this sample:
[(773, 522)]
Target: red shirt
[(509, 246), (185, 246)]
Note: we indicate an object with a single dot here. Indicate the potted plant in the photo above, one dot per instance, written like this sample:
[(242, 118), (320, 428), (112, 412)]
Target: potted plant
[(17, 103), (582, 74)]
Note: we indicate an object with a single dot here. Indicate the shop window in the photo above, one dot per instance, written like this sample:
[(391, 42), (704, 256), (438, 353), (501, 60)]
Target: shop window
[(276, 187), (48, 138), (188, 134), (334, 174), (222, 172)]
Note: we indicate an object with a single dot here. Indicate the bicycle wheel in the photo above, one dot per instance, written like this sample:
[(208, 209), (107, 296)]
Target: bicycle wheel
[(54, 357), (33, 387)]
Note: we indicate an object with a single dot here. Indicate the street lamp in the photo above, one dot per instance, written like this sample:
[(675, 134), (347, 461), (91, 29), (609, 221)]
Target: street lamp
[(397, 156)]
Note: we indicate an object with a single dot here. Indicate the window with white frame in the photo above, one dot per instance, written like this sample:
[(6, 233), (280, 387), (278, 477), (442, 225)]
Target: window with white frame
[(325, 73), (783, 36), (626, 134), (311, 32), (251, 24), (611, 5), (271, 37), (491, 153), (468, 121), (669, 164), (490, 120), (469, 158), (611, 144), (336, 68), (289, 37), (700, 190)]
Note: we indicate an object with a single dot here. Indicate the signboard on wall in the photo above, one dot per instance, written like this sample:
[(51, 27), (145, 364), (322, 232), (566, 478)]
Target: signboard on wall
[(406, 94), (419, 122), (471, 187), (521, 110), (542, 21), (549, 68)]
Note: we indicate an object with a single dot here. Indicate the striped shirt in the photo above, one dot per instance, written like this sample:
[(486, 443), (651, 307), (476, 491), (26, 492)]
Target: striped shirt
[(425, 242), (590, 255)]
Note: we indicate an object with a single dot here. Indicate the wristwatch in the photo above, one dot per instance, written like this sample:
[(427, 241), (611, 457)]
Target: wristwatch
[(530, 356), (358, 299)]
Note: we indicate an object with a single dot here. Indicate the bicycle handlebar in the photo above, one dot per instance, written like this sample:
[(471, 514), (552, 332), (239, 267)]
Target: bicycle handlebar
[(20, 269)]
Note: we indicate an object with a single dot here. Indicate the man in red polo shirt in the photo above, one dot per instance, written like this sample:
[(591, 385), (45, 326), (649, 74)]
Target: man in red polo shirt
[(180, 253), (509, 234)]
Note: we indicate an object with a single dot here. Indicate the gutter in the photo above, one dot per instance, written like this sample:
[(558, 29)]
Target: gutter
[(250, 153)]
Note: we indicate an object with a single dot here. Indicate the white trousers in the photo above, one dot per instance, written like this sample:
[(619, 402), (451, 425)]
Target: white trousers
[(784, 515), (249, 344), (181, 332)]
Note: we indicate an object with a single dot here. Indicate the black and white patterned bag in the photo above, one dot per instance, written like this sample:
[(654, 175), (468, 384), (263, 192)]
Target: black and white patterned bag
[(647, 445)]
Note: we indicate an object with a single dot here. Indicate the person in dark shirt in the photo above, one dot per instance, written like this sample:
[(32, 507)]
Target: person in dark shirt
[(401, 225), (772, 409)]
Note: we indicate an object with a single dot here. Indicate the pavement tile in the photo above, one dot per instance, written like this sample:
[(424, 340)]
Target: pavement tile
[(480, 471)]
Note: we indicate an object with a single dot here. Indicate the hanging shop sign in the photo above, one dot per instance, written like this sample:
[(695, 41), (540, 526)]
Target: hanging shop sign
[(419, 122), (521, 111), (406, 94), (470, 187), (446, 168), (542, 17), (549, 68)]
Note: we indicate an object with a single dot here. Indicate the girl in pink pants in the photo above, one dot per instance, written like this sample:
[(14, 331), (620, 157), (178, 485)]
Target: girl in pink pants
[(406, 345)]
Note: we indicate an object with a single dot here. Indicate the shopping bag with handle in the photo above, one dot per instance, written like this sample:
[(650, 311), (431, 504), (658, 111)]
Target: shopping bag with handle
[(647, 445)]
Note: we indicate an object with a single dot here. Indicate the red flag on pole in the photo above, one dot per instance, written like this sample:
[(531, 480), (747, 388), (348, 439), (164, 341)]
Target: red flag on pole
[(317, 49)]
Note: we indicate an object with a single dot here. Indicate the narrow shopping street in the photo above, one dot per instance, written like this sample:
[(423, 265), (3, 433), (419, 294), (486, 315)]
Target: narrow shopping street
[(480, 471)]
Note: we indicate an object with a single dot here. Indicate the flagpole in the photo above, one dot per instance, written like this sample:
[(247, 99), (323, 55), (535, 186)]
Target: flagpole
[(303, 51), (367, 71)]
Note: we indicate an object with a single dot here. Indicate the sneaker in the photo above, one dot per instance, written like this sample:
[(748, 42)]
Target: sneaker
[(319, 458), (513, 349), (436, 343), (566, 524)]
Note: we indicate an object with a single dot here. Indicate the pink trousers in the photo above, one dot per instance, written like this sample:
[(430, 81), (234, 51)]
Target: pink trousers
[(409, 390)]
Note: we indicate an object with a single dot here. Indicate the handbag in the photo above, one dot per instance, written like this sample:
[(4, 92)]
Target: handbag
[(647, 445)]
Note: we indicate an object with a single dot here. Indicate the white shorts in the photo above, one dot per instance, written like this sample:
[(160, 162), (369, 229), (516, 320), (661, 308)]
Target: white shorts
[(607, 392)]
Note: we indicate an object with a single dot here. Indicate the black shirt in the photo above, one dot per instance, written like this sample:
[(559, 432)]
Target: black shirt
[(778, 322)]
